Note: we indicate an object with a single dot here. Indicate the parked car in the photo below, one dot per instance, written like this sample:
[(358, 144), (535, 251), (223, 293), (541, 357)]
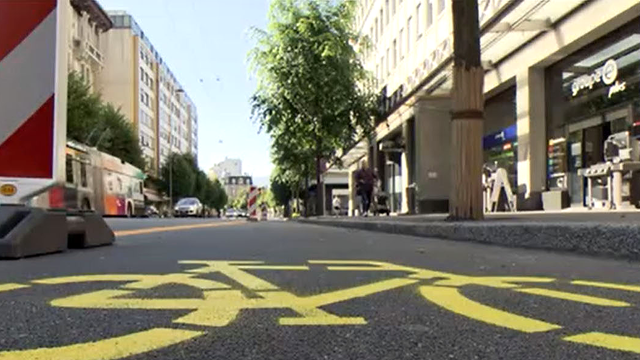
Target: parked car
[(231, 213), (188, 207)]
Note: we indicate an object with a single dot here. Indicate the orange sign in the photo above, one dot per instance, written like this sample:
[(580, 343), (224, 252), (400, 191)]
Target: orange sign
[(8, 189)]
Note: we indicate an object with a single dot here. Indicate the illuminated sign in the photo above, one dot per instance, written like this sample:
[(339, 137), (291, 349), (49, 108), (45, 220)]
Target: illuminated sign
[(607, 74)]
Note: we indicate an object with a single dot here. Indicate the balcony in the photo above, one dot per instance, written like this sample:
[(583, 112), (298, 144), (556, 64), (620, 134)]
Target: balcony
[(94, 53)]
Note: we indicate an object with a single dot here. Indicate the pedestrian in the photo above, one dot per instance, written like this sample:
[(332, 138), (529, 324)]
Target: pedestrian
[(337, 205), (365, 181)]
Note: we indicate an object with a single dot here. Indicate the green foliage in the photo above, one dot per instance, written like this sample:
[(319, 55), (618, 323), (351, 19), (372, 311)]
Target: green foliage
[(281, 190), (92, 122), (314, 97), (240, 201), (190, 181)]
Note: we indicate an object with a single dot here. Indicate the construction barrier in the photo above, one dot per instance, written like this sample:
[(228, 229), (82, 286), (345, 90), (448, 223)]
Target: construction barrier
[(252, 204)]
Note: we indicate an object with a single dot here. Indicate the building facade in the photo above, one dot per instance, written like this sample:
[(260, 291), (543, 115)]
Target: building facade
[(138, 81), (237, 185), (227, 167), (87, 26), (560, 76)]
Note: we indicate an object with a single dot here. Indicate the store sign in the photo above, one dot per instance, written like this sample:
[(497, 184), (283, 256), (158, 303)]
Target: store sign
[(607, 74), (499, 138)]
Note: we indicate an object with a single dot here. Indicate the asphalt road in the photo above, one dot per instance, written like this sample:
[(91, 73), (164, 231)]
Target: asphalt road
[(309, 292)]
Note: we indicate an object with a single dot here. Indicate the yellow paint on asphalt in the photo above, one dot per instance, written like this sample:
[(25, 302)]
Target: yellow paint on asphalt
[(175, 228), (12, 286), (506, 282), (574, 297), (91, 278), (108, 349), (608, 341), (273, 267), (451, 299), (139, 281), (231, 270), (624, 287), (112, 299)]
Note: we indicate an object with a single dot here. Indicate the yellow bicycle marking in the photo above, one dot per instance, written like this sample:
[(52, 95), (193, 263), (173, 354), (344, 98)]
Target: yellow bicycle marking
[(452, 300), (10, 287), (574, 297), (609, 341), (109, 349), (221, 303)]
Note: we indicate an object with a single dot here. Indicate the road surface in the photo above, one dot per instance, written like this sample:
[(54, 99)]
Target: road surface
[(212, 289)]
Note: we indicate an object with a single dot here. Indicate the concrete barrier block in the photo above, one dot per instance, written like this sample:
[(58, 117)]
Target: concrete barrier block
[(26, 231), (89, 230)]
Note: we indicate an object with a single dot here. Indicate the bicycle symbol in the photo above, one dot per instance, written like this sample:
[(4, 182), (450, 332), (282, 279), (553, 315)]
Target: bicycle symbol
[(220, 303)]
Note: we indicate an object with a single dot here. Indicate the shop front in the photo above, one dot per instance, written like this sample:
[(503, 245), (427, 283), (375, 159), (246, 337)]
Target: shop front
[(592, 95)]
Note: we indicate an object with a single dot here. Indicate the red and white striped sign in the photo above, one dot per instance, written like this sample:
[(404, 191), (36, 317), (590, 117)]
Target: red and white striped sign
[(32, 95), (252, 203)]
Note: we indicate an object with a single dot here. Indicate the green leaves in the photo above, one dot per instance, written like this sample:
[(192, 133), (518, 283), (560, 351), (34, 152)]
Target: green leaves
[(181, 176), (95, 123), (314, 96)]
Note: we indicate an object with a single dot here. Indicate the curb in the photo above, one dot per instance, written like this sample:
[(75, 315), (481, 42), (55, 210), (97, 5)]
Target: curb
[(601, 239)]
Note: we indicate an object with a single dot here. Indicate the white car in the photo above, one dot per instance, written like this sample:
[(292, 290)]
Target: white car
[(188, 207)]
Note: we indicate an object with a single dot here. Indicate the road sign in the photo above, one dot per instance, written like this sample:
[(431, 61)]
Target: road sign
[(33, 84)]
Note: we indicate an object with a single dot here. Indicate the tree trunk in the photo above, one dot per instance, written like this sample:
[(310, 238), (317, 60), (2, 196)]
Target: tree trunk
[(465, 201), (319, 188), (306, 195)]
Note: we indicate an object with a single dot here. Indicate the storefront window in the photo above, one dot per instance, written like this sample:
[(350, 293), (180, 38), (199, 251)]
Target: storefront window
[(500, 140), (591, 95)]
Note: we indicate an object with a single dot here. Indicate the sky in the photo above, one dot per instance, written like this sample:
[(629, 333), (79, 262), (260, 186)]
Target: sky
[(205, 43)]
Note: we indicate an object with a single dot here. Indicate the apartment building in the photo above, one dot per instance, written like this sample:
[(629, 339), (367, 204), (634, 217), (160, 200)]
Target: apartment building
[(136, 79), (87, 26), (227, 167), (560, 76)]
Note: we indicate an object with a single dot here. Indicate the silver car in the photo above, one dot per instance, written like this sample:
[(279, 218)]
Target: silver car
[(188, 207)]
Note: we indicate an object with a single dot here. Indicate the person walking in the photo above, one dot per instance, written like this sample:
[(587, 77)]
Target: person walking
[(365, 181)]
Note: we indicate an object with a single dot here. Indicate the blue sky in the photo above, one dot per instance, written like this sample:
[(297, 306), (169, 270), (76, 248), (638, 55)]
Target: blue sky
[(205, 43)]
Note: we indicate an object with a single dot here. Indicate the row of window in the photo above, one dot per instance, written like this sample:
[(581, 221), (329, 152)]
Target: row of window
[(145, 119), (146, 141), (391, 57), (144, 98), (144, 56), (145, 78)]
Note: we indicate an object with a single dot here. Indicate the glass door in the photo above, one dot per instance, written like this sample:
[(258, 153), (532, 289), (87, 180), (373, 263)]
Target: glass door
[(574, 151)]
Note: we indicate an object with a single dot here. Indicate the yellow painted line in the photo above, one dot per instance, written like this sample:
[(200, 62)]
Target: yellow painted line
[(273, 267), (108, 349), (452, 300), (607, 285), (489, 281), (356, 292), (110, 299), (229, 269), (175, 228), (12, 286), (593, 300), (90, 278), (608, 341)]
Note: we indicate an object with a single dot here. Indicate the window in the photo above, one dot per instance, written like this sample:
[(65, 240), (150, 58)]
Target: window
[(386, 10), (395, 53), (141, 74), (393, 7), (418, 21), (441, 6), (377, 30), (409, 35), (381, 68), (381, 24), (69, 168), (388, 62), (83, 175), (429, 13), (400, 38)]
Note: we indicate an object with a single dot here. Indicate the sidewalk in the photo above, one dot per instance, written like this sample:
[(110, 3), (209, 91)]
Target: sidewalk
[(610, 233)]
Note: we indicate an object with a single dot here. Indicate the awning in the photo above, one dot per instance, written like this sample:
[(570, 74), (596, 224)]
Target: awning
[(153, 196)]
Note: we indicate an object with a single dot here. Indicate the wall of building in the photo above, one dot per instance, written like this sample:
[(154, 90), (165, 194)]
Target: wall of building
[(117, 78)]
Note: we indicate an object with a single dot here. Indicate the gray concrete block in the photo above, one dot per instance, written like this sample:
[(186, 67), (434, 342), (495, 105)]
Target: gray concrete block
[(28, 231)]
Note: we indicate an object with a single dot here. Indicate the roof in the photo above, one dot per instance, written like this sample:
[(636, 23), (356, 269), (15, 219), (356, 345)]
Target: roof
[(95, 11)]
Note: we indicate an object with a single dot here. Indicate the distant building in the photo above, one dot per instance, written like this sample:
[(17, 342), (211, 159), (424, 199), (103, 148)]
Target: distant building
[(228, 167), (235, 185)]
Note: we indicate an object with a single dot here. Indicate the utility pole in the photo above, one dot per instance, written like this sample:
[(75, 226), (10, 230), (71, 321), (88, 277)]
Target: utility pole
[(465, 200)]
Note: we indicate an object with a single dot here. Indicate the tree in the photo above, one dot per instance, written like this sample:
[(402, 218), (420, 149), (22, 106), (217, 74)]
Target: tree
[(282, 192), (181, 182), (92, 122), (314, 96), (220, 198), (240, 200), (465, 201)]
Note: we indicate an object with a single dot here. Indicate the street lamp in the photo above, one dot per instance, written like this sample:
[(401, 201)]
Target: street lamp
[(177, 91)]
